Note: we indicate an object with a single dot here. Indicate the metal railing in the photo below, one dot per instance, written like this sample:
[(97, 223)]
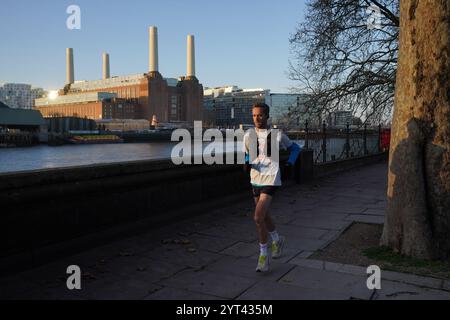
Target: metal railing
[(330, 144)]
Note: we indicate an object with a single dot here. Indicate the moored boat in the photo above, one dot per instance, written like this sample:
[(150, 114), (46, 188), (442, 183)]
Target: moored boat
[(94, 139)]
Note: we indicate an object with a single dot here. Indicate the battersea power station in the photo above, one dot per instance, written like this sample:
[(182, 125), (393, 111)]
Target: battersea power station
[(147, 96)]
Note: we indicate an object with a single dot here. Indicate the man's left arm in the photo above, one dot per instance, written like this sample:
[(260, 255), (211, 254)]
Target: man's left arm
[(294, 151), (293, 148)]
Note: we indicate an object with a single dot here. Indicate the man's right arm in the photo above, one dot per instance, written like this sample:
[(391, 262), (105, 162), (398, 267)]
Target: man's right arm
[(247, 165)]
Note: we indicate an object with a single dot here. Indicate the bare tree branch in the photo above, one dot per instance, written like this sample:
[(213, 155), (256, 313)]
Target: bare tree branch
[(341, 63)]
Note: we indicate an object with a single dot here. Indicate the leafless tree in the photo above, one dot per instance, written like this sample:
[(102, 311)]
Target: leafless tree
[(344, 55)]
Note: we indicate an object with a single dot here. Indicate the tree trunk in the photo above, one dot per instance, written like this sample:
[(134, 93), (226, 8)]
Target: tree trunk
[(418, 212)]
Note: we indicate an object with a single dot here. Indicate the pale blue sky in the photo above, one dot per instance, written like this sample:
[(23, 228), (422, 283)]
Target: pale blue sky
[(244, 42)]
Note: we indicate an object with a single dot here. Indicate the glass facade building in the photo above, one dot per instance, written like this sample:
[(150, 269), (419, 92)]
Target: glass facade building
[(288, 111), (232, 107)]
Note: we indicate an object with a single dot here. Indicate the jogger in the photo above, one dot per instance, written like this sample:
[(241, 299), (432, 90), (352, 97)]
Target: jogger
[(266, 179)]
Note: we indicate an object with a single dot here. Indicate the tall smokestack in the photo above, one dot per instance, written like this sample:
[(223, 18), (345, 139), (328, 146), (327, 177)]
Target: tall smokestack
[(153, 49), (190, 56), (106, 69), (70, 78)]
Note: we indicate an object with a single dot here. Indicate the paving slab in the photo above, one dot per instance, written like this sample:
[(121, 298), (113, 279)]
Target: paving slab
[(327, 208), (208, 243), (374, 212), (183, 257), (366, 218), (211, 283), (308, 263), (241, 249), (333, 216), (245, 267), (150, 269), (421, 281), (355, 270), (352, 286), (332, 266), (268, 290), (283, 218), (321, 223), (123, 288), (391, 290), (230, 230), (305, 254), (301, 261), (179, 294), (292, 232), (304, 244), (334, 234), (289, 253)]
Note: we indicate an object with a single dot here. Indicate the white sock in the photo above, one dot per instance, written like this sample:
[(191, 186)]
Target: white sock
[(274, 235), (263, 249)]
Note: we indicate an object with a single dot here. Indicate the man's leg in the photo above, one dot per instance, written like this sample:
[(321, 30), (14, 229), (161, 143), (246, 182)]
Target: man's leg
[(270, 225), (271, 230), (261, 211), (278, 242), (262, 206)]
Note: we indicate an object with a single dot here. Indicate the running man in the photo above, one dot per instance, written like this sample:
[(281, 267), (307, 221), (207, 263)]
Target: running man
[(265, 178)]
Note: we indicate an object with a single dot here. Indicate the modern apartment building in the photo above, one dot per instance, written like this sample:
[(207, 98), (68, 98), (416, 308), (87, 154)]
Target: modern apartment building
[(19, 95)]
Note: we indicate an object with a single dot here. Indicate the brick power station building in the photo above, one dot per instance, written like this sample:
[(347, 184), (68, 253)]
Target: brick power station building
[(142, 96)]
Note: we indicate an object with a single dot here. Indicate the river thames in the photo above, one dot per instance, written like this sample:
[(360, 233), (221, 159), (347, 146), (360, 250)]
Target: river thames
[(44, 157)]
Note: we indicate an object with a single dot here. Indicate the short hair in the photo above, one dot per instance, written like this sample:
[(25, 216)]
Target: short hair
[(263, 106)]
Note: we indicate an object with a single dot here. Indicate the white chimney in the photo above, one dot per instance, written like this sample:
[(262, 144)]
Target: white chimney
[(70, 78), (105, 73), (190, 56), (153, 49)]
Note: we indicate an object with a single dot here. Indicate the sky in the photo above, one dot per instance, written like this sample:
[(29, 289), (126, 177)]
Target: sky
[(243, 43)]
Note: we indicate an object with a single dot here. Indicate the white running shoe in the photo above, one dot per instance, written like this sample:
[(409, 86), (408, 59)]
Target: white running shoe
[(263, 264), (277, 247)]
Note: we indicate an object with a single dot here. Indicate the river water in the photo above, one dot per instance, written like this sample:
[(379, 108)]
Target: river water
[(43, 156)]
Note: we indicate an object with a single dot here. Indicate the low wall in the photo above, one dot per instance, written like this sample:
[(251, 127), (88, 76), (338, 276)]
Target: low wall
[(334, 167), (54, 212)]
